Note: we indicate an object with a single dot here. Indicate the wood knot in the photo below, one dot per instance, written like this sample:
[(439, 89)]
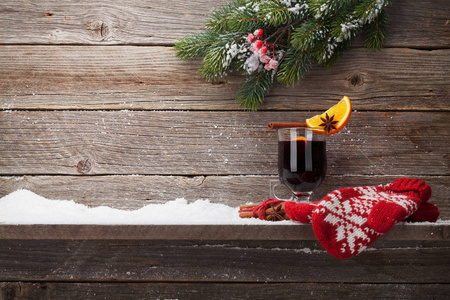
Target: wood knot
[(49, 14), (104, 30), (194, 181), (217, 82), (84, 166), (100, 29), (355, 80)]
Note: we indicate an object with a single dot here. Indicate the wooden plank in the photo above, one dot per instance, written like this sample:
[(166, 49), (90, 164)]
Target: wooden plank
[(70, 77), (211, 143), (134, 192), (215, 291), (205, 261), (267, 232), (413, 23), (155, 22)]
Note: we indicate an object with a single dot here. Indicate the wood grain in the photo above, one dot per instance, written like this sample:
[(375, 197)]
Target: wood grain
[(95, 107), (413, 23), (216, 291), (152, 78), (134, 192), (267, 231), (209, 261), (211, 143), (153, 22)]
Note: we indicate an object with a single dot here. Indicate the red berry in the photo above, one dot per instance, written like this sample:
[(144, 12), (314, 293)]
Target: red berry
[(272, 64), (258, 32), (264, 58), (263, 50), (250, 37), (258, 44)]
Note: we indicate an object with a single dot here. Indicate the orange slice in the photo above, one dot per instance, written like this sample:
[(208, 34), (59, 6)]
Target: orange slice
[(300, 138), (334, 119)]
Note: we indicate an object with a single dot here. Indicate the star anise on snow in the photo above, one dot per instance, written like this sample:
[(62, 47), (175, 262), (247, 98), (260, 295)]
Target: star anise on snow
[(275, 214), (328, 123)]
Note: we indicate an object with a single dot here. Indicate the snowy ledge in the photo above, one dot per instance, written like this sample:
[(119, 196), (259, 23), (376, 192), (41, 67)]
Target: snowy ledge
[(25, 215)]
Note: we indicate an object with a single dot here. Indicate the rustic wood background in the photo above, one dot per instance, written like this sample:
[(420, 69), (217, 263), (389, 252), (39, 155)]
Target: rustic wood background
[(96, 108)]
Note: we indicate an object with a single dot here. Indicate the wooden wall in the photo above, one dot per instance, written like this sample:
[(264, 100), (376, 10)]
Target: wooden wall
[(96, 108)]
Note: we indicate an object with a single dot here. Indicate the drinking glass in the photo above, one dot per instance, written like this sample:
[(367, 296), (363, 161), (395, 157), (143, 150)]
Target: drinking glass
[(302, 161)]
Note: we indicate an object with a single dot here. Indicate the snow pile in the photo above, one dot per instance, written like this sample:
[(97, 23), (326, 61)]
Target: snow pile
[(25, 207)]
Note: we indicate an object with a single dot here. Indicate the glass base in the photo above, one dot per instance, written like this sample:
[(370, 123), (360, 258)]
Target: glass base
[(275, 186), (302, 197)]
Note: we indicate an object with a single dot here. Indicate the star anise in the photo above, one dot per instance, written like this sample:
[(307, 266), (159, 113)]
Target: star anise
[(275, 214), (328, 123)]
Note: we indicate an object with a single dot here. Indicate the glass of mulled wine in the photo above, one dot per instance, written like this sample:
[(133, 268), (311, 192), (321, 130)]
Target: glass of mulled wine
[(302, 161)]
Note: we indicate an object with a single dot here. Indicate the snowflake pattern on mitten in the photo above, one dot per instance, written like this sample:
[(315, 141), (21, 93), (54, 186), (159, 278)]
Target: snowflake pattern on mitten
[(349, 220)]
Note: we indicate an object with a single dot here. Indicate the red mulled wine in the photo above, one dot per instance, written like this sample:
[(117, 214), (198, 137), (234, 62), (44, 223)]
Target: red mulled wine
[(302, 164)]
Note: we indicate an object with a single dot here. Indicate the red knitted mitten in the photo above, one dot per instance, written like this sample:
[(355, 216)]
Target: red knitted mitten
[(426, 212), (301, 212), (386, 213), (349, 220)]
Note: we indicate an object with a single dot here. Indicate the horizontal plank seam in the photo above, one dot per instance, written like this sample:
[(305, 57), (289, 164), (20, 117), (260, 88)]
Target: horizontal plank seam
[(171, 45), (224, 240), (168, 45), (225, 282), (8, 175), (212, 110)]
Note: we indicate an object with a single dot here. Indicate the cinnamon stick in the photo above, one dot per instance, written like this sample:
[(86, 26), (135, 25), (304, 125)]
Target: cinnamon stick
[(277, 125), (245, 206)]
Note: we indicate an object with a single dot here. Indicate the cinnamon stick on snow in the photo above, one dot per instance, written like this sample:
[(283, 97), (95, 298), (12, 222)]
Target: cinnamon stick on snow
[(277, 125)]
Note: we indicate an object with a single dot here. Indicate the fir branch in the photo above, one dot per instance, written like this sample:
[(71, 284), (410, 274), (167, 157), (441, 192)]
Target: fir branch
[(294, 67), (343, 22), (252, 90), (297, 33), (212, 67), (337, 51), (240, 15), (220, 18), (219, 57), (277, 13), (309, 34), (246, 22), (324, 8), (368, 10), (375, 32), (344, 27), (282, 30), (195, 45)]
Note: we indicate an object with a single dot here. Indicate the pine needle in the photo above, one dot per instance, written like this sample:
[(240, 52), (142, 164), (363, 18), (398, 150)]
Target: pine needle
[(252, 90)]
